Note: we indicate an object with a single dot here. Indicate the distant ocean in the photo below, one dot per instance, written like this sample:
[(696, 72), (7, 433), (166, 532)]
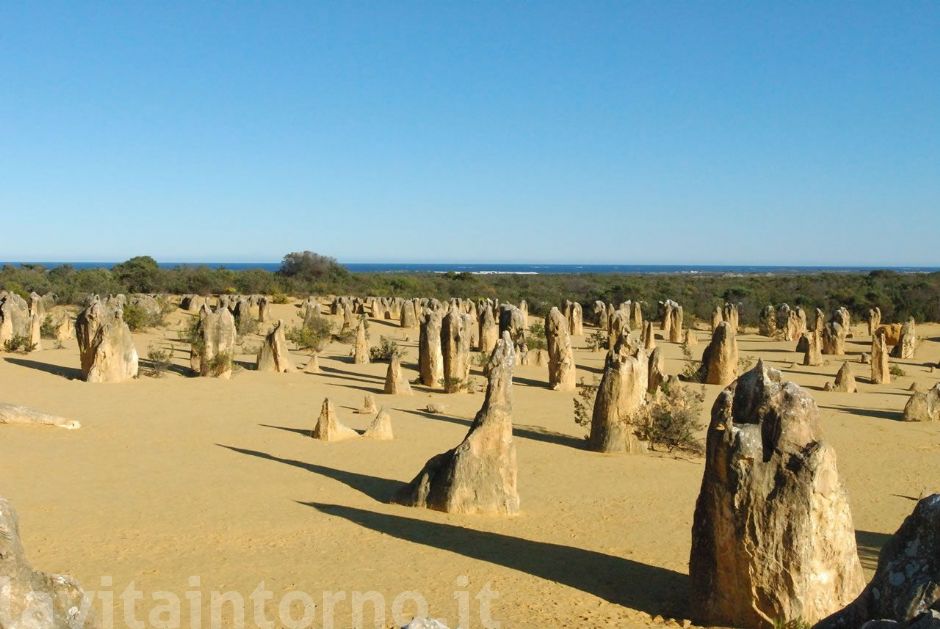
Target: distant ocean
[(528, 269)]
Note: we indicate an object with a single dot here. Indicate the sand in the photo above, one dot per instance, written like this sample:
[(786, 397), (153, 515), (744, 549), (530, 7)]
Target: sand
[(177, 477)]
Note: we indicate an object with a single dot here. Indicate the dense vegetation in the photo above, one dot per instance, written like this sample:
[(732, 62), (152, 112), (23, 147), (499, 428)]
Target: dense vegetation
[(898, 295)]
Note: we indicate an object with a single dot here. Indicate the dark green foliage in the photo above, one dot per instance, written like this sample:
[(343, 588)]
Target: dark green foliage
[(48, 328), (899, 295), (139, 275), (313, 336), (535, 337), (309, 266), (584, 403), (671, 419), (159, 361), (19, 344), (384, 351), (137, 318)]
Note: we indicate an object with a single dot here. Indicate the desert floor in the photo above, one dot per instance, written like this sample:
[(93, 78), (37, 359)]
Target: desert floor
[(178, 477)]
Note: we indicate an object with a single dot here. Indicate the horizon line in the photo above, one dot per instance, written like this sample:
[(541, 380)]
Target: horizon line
[(505, 263)]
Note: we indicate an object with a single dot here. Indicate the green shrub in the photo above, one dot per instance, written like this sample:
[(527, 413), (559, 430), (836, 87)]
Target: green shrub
[(20, 344), (896, 371), (159, 361), (48, 328), (671, 419), (584, 403), (535, 338), (137, 318), (247, 325), (598, 340), (384, 351), (220, 363), (313, 336)]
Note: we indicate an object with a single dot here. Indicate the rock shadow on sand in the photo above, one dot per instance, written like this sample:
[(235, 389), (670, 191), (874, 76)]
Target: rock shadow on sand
[(379, 489), (621, 581), (57, 370), (535, 433)]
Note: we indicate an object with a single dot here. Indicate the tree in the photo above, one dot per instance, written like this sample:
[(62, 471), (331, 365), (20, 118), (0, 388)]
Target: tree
[(140, 274), (307, 265)]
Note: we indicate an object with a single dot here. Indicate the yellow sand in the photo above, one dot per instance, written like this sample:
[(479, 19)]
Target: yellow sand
[(176, 477)]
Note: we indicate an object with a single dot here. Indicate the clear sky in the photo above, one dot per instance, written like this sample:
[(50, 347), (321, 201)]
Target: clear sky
[(587, 131)]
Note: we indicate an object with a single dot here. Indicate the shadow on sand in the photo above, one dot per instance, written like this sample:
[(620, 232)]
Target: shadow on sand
[(868, 412), (534, 433), (379, 489), (869, 547), (66, 372), (618, 580)]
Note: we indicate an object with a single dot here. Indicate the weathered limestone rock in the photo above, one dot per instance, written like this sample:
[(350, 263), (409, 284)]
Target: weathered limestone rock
[(675, 327), (381, 427), (242, 313), (13, 414), (262, 303), (784, 323), (479, 475), (730, 316), (906, 585), (874, 320), (30, 599), (273, 355), (105, 344), (192, 303), (772, 539), (717, 317), (489, 331), (835, 332), (310, 310), (514, 321), (14, 317), (64, 327), (767, 322), (430, 356), (880, 368), (649, 337), (819, 323), (361, 348), (635, 309), (691, 339), (668, 307), (574, 314), (561, 367), (618, 326), (455, 348), (313, 365), (350, 320), (813, 355), (845, 380), (891, 333), (801, 319), (37, 313), (329, 428), (600, 314), (907, 343), (395, 382), (833, 339), (720, 358), (621, 394), (368, 405), (923, 406), (657, 371), (213, 353), (409, 317)]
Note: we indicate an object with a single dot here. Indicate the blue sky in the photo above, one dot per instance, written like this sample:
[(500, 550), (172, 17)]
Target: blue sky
[(620, 132)]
